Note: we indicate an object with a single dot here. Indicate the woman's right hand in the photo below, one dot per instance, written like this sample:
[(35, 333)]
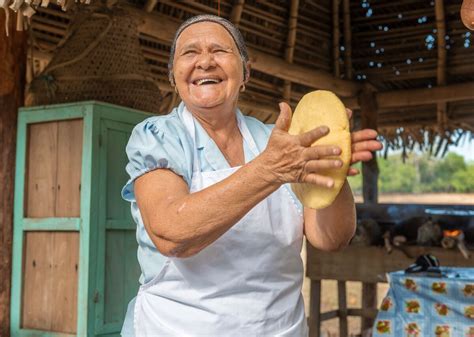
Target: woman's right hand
[(292, 159)]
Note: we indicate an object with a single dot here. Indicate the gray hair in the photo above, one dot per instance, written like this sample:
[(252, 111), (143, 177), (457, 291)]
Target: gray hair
[(229, 26)]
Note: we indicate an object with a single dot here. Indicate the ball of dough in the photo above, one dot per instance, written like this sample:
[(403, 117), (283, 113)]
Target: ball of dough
[(315, 109)]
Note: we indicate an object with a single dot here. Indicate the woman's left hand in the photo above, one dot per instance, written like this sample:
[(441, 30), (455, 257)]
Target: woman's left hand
[(364, 142)]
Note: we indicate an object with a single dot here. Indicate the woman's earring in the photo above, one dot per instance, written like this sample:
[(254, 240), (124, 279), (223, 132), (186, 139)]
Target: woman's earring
[(242, 88)]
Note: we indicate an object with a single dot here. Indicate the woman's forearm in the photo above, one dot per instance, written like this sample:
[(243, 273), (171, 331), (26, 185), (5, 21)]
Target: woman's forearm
[(332, 227), (193, 221)]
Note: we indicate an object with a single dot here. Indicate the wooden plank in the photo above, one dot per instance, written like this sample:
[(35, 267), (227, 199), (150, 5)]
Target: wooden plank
[(65, 271), (117, 208), (114, 301), (370, 264), (37, 280), (69, 168), (13, 50), (342, 303), (41, 170), (49, 298), (89, 210), (17, 251), (131, 267), (51, 224), (314, 320)]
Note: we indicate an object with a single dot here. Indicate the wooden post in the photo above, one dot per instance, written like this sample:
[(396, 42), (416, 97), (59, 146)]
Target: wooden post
[(236, 13), (369, 301), (335, 38), (370, 172), (342, 303), (150, 5), (12, 84), (314, 321), (370, 175), (290, 45), (347, 40)]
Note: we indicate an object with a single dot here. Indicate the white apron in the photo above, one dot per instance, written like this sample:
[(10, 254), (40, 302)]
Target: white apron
[(246, 283)]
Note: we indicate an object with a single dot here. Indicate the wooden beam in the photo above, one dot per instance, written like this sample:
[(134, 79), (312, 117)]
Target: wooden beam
[(163, 28), (347, 40), (302, 75), (290, 45), (150, 5), (236, 13), (413, 97), (13, 52), (336, 53)]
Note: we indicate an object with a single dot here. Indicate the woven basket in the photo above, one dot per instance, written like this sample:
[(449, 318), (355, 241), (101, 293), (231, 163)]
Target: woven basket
[(99, 59)]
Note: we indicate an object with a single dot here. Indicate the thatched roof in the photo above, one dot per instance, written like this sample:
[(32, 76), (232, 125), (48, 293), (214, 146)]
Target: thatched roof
[(416, 55)]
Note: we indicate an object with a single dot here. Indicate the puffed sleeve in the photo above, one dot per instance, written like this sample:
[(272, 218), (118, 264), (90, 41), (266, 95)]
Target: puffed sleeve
[(156, 143)]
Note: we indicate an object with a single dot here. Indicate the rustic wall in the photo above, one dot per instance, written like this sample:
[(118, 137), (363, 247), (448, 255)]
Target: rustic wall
[(12, 83)]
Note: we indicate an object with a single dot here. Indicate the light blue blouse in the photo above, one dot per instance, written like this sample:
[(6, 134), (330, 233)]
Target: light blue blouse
[(164, 142)]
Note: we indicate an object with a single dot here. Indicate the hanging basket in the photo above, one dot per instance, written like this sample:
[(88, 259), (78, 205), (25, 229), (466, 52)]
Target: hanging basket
[(99, 59)]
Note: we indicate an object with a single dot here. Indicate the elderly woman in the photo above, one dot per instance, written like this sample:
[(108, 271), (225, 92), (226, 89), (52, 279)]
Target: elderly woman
[(219, 229)]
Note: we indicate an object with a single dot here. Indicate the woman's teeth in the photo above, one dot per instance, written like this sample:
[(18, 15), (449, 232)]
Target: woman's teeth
[(207, 81)]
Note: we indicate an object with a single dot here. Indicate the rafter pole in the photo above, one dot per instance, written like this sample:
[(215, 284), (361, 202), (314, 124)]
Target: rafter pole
[(347, 40), (441, 108), (336, 35), (150, 5), (290, 45), (236, 13)]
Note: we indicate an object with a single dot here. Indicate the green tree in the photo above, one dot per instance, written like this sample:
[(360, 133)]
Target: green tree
[(445, 170), (463, 180), (396, 176)]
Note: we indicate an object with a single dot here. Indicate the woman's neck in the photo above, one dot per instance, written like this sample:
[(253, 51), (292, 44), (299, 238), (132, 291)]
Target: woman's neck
[(220, 121)]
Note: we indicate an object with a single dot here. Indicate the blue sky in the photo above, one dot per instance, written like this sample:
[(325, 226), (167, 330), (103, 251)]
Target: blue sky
[(466, 150)]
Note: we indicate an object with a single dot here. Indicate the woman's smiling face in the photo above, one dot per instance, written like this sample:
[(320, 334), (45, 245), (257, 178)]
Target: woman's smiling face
[(207, 67)]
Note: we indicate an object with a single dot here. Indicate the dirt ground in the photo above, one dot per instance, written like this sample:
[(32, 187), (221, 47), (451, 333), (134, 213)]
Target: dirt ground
[(354, 289)]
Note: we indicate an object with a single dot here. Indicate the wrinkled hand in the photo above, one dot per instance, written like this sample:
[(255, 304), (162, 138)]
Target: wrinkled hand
[(364, 142), (292, 159)]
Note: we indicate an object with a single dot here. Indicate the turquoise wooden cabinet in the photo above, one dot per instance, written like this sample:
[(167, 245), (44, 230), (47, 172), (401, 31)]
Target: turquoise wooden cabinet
[(74, 254)]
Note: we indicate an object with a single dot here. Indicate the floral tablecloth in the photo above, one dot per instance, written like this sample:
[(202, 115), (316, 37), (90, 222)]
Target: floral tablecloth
[(417, 305)]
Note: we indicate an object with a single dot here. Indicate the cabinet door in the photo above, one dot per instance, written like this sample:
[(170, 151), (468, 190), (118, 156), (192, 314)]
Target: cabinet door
[(117, 266)]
